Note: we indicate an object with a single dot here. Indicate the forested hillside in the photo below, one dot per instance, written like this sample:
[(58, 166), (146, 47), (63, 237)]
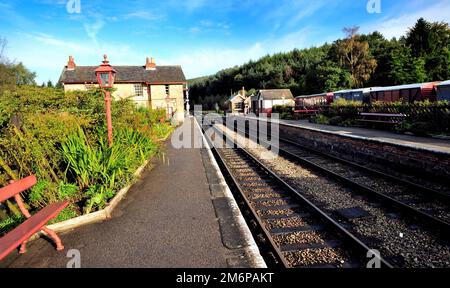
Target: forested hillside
[(357, 60)]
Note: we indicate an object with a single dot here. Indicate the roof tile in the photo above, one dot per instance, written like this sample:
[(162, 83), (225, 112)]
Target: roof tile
[(162, 74)]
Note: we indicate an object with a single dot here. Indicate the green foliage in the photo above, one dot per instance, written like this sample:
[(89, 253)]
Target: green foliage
[(42, 193), (161, 131), (321, 119), (355, 57), (67, 191), (98, 196), (9, 223), (285, 112), (66, 214)]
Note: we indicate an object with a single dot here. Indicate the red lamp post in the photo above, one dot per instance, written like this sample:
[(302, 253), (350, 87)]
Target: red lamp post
[(105, 77)]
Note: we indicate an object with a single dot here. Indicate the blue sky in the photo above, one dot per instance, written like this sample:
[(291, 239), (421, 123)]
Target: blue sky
[(203, 36)]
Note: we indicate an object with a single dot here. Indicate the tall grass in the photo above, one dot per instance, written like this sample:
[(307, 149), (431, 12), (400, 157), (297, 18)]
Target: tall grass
[(99, 169)]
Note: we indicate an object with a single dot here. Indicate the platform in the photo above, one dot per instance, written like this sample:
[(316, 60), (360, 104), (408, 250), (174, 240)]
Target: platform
[(177, 215)]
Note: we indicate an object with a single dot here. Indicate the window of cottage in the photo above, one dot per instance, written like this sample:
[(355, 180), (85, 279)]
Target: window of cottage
[(138, 91), (167, 91), (89, 86)]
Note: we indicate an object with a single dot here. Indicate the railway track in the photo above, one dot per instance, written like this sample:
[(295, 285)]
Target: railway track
[(299, 233), (421, 202)]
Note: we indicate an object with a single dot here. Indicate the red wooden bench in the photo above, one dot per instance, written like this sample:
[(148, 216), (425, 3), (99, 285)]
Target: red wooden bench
[(34, 223)]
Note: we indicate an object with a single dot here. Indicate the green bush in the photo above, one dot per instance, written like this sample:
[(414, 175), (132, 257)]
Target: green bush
[(66, 214), (336, 120), (161, 130), (421, 128), (9, 223), (285, 112), (320, 119)]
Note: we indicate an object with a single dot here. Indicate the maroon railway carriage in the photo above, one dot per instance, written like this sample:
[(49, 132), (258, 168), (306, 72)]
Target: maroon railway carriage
[(405, 93), (311, 103)]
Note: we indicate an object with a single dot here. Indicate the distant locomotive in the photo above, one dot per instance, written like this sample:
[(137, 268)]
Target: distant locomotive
[(411, 93)]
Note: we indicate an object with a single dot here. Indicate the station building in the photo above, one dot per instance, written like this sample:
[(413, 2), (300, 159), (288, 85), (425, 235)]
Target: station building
[(150, 85)]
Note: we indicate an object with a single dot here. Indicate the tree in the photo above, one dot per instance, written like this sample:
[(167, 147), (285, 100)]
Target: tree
[(7, 78), (431, 42), (23, 75), (418, 38), (332, 78), (355, 57), (49, 83), (3, 44), (6, 74)]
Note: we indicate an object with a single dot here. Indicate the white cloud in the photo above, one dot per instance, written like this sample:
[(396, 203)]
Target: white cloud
[(207, 61), (93, 29), (290, 13), (144, 15), (191, 5), (53, 53)]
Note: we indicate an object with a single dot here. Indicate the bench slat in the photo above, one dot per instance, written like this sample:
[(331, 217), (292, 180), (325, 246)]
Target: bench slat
[(17, 187), (24, 231), (382, 114), (377, 121)]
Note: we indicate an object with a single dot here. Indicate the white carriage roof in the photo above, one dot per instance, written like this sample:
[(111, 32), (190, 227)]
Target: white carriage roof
[(364, 90), (313, 95), (444, 83), (401, 87)]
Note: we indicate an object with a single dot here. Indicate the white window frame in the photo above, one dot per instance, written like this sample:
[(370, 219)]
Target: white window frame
[(138, 90), (89, 86)]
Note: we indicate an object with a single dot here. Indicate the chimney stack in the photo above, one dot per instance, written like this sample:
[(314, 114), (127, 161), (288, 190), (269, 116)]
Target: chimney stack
[(150, 64), (71, 64)]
